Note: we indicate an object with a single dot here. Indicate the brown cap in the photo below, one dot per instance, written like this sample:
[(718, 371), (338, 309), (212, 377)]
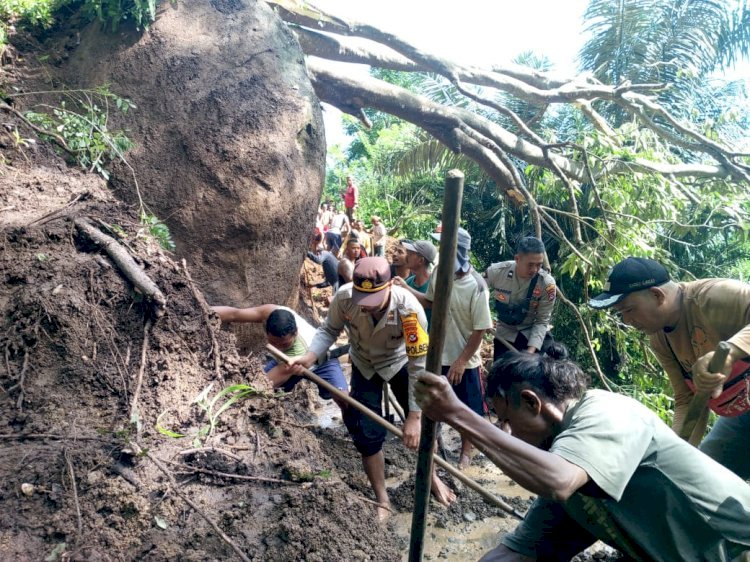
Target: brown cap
[(370, 277)]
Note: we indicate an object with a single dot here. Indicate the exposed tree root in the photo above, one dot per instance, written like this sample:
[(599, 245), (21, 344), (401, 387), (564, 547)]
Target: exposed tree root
[(126, 264)]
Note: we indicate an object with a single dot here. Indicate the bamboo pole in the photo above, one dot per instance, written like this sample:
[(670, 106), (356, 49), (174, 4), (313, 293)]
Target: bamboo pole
[(485, 493), (454, 189)]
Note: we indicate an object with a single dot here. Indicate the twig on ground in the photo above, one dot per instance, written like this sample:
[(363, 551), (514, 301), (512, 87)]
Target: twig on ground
[(215, 350), (299, 425), (74, 488), (139, 379), (21, 379), (173, 484), (23, 436), (186, 468), (210, 449), (125, 263), (49, 216), (257, 445), (373, 502)]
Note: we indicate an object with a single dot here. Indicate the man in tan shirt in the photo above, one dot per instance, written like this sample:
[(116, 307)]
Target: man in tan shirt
[(685, 322), (388, 343)]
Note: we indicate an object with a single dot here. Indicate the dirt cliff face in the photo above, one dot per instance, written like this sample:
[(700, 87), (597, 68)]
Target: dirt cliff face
[(229, 141)]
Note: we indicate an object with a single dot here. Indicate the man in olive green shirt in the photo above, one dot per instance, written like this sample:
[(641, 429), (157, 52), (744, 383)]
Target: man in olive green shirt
[(603, 465)]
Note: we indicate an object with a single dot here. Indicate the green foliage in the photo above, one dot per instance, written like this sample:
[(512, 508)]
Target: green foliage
[(213, 408), (158, 230), (29, 13), (112, 13), (81, 121), (697, 228)]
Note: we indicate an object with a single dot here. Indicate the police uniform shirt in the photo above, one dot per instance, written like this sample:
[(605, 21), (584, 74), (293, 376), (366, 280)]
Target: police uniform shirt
[(399, 338), (508, 288)]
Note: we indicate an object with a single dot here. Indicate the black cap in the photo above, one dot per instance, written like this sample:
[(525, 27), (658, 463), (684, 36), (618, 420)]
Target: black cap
[(629, 276)]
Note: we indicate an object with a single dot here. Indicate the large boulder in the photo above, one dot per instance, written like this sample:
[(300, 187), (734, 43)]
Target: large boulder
[(229, 140)]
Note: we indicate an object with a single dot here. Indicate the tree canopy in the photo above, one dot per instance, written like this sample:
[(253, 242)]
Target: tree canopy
[(637, 155)]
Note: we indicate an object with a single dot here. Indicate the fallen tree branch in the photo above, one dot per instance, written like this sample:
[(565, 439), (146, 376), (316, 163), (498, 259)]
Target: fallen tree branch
[(125, 263), (206, 311), (585, 329), (175, 488)]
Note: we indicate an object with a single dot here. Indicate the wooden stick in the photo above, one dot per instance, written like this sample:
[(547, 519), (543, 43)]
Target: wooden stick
[(125, 263), (454, 189), (699, 402), (453, 471), (173, 484)]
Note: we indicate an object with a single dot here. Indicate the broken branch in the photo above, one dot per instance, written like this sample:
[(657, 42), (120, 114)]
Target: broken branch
[(125, 263)]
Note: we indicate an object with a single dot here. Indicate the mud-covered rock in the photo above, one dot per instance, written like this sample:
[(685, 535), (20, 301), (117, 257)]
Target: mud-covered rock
[(229, 140)]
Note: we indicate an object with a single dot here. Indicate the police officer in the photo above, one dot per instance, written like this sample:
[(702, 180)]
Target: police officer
[(388, 338), (524, 296)]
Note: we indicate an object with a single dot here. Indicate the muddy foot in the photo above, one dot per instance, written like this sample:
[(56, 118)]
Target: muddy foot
[(384, 512), (442, 493), (464, 462)]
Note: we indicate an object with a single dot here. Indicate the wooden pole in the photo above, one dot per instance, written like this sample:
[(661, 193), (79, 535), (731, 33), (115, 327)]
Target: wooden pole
[(454, 189), (486, 494), (699, 402)]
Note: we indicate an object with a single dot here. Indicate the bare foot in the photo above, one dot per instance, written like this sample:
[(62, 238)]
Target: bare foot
[(443, 494), (384, 512), (464, 462)]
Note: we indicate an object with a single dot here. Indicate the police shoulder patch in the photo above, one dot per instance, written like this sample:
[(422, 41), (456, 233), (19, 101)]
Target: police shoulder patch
[(551, 291), (415, 338)]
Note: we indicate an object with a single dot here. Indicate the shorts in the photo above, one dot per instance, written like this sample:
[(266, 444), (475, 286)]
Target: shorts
[(330, 371), (369, 436), (548, 534), (470, 390)]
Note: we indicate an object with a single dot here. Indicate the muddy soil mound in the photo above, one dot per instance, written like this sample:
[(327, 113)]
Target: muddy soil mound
[(82, 479)]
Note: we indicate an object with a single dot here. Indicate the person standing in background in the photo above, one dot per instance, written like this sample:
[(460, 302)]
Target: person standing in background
[(350, 195), (378, 233)]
